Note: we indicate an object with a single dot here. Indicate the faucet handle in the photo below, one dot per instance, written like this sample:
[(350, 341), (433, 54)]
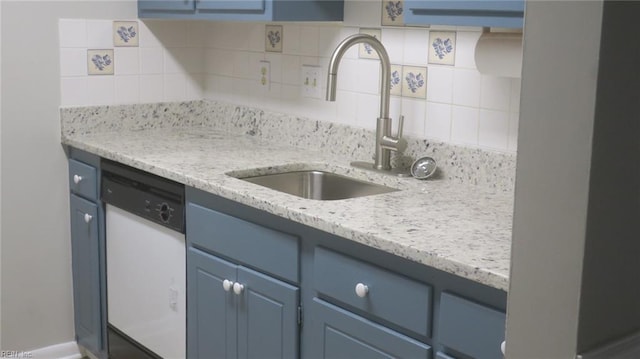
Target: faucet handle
[(400, 126)]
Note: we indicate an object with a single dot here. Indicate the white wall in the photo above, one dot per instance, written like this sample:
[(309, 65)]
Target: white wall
[(36, 258), (559, 82)]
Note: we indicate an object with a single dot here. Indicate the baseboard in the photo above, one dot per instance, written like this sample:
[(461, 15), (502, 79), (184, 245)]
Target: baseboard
[(67, 350)]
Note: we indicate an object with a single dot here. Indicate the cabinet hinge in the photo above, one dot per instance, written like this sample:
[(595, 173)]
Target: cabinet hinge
[(300, 315)]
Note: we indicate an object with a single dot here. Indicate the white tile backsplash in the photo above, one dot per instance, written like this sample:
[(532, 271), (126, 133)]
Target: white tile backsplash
[(151, 60), (367, 77), (128, 60), (101, 90), (466, 48), (181, 60), (309, 40), (347, 110), (495, 93), (291, 39), (464, 125), (368, 110), (393, 41), (438, 122), (416, 49), (127, 89), (175, 87), (493, 129), (414, 111), (73, 91), (151, 88), (73, 62), (100, 34), (148, 37), (466, 87), (73, 33), (440, 84)]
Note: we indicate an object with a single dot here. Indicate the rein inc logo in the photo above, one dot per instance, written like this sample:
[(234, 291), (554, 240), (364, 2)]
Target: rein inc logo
[(15, 354)]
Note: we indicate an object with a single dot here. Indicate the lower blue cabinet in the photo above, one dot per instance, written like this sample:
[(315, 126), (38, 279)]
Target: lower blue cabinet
[(236, 312), (470, 328), (339, 333), (85, 246)]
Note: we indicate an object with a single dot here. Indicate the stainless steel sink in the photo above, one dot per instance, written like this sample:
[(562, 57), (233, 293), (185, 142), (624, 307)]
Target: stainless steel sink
[(318, 185)]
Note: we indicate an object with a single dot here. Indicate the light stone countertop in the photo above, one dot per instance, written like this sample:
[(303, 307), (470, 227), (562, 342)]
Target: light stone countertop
[(460, 229)]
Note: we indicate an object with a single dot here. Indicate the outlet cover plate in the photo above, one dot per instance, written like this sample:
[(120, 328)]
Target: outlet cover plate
[(264, 74), (311, 81)]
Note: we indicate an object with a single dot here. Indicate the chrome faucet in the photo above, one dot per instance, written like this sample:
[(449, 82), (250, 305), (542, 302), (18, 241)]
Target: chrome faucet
[(385, 142)]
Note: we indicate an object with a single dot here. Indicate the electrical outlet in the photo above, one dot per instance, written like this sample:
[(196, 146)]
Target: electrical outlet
[(173, 298), (311, 81), (264, 71)]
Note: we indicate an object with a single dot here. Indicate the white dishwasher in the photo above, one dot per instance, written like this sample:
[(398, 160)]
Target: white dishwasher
[(146, 269)]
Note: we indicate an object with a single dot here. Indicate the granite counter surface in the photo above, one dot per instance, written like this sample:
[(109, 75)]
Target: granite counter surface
[(458, 228)]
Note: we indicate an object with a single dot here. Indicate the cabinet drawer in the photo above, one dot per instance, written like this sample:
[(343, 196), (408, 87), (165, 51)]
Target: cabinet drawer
[(83, 180), (470, 328), (339, 333), (247, 243), (390, 296)]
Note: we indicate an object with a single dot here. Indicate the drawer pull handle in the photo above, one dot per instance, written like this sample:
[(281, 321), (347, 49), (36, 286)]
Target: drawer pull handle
[(361, 290), (87, 217), (503, 346), (77, 179), (238, 288), (227, 285)]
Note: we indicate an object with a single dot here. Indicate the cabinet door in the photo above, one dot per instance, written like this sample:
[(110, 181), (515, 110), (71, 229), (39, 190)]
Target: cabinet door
[(496, 13), (232, 5), (86, 273), (211, 311), (166, 5), (339, 333), (267, 317)]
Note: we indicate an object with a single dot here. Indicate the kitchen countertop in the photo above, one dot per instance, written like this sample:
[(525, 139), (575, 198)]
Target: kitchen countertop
[(458, 228)]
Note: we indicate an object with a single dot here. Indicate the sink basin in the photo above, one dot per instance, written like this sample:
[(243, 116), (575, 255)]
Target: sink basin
[(318, 185)]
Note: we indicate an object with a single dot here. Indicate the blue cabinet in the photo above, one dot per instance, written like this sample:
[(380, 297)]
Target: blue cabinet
[(234, 311), (86, 275), (339, 333), (470, 328), (354, 301), (243, 10), (489, 13), (87, 253)]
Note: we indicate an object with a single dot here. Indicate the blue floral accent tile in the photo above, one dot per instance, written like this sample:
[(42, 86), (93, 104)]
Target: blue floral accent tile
[(414, 81), (125, 33), (100, 62), (365, 50), (396, 80), (273, 38), (442, 47), (392, 12)]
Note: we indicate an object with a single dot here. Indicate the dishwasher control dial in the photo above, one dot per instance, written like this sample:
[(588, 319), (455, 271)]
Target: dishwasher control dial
[(165, 212)]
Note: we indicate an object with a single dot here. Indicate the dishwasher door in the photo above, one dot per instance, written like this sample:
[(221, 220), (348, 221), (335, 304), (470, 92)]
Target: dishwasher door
[(146, 276)]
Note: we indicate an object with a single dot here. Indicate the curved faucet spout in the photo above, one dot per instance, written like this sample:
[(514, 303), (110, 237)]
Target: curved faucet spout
[(377, 46), (385, 143)]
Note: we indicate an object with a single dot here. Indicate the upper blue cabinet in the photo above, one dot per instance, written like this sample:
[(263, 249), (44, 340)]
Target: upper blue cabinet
[(486, 13), (243, 10)]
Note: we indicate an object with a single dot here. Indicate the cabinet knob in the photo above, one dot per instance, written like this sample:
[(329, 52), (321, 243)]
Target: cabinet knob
[(87, 217), (238, 288), (227, 285), (361, 290), (77, 179), (502, 346)]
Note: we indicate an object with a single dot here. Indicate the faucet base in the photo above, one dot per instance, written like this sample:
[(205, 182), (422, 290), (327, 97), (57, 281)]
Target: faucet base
[(399, 172)]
